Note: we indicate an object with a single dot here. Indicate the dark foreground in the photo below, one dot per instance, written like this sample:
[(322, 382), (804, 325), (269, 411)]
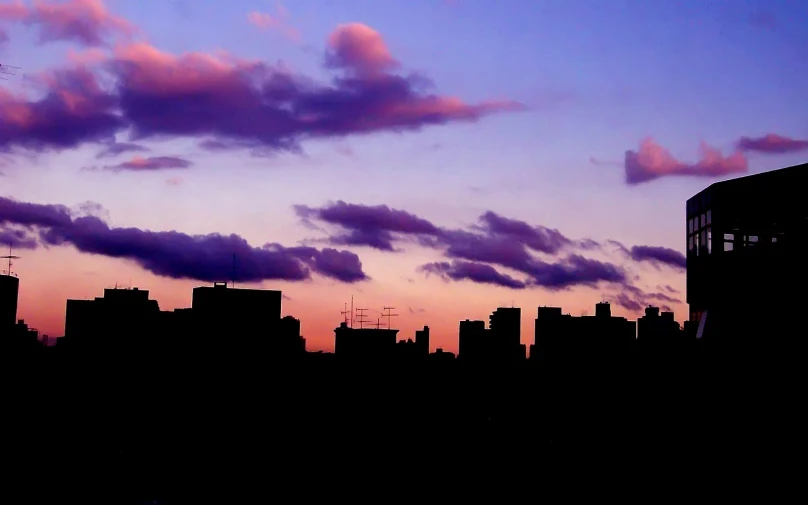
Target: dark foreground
[(240, 429)]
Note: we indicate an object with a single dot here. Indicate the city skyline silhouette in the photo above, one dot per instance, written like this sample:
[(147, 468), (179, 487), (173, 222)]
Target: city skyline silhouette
[(405, 249), (475, 160)]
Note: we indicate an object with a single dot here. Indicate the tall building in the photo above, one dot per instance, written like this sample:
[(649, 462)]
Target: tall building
[(505, 325), (746, 240), (422, 340), (472, 340), (9, 294), (223, 312)]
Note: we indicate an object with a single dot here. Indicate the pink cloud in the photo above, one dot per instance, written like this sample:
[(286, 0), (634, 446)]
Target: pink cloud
[(225, 100), (653, 161), (359, 48), (772, 144), (278, 22), (87, 22)]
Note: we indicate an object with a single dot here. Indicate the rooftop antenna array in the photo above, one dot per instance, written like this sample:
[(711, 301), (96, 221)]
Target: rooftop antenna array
[(361, 318), (389, 315), (378, 323), (7, 70), (10, 257)]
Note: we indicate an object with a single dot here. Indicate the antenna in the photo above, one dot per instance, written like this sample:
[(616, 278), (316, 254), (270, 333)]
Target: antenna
[(9, 258), (360, 317), (345, 313), (378, 323), (233, 279), (389, 315), (352, 312)]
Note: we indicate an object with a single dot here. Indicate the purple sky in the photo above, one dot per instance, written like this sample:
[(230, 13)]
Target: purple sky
[(424, 153)]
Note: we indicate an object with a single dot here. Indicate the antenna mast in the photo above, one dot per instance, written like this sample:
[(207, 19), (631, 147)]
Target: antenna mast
[(389, 316), (361, 318), (352, 312), (345, 313), (9, 258), (233, 279)]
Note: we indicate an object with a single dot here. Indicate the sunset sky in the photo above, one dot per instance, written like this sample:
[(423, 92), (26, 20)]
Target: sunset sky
[(440, 157)]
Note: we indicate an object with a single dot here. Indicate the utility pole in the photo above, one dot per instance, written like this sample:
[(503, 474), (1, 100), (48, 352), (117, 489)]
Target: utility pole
[(389, 315)]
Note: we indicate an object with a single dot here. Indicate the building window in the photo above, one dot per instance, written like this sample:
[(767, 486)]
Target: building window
[(690, 243), (703, 220), (690, 225), (709, 241), (728, 246), (703, 240), (729, 237), (696, 246), (709, 217), (774, 240)]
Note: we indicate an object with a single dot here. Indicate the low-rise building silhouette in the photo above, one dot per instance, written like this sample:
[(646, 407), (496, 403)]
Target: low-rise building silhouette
[(364, 343)]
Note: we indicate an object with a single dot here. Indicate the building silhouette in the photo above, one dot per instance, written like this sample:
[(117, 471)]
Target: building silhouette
[(472, 341), (370, 344), (746, 243), (235, 313), (655, 326), (122, 320), (562, 341), (9, 294)]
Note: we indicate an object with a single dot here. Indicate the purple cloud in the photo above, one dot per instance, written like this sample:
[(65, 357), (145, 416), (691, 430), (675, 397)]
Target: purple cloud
[(496, 241), (178, 255), (476, 272), (659, 256), (772, 144), (152, 163), (118, 148), (635, 299), (538, 238), (364, 225), (228, 102), (18, 239)]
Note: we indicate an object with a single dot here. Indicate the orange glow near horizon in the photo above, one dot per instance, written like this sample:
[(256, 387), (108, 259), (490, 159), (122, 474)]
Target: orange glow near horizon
[(51, 276)]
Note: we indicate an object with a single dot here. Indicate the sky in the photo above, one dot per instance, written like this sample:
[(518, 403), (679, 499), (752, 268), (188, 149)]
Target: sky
[(444, 158)]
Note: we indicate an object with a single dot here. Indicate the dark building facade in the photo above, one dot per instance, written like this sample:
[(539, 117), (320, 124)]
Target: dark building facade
[(221, 311), (364, 343), (472, 340), (746, 240), (121, 319), (569, 343), (9, 294)]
